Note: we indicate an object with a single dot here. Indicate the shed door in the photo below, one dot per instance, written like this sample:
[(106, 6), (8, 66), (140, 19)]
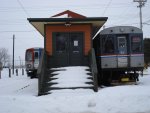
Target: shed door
[(122, 49), (75, 49), (68, 48)]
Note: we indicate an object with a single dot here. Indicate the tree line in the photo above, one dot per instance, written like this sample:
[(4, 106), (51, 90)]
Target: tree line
[(147, 51), (4, 57)]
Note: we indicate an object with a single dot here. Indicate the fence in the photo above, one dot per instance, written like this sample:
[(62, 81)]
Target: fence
[(8, 72)]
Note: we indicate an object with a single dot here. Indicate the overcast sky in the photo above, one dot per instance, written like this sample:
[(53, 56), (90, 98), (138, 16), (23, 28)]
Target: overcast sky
[(14, 14)]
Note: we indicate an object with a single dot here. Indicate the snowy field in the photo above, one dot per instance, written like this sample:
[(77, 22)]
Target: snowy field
[(18, 94)]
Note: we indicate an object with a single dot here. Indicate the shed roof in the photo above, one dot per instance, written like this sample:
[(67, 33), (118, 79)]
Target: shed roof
[(97, 22), (69, 14)]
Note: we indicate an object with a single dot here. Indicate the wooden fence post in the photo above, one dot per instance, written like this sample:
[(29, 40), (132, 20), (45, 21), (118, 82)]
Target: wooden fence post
[(9, 73), (1, 67), (0, 74), (16, 72), (22, 71)]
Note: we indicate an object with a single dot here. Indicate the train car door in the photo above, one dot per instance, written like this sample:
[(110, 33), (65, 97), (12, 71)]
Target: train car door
[(68, 48), (122, 51)]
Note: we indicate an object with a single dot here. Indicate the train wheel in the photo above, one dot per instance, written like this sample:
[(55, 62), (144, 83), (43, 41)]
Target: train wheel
[(106, 78), (28, 74), (32, 75)]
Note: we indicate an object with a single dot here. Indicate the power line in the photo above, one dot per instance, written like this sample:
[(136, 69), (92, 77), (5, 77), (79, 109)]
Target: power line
[(23, 8), (70, 5), (147, 21), (43, 8), (107, 7), (16, 31)]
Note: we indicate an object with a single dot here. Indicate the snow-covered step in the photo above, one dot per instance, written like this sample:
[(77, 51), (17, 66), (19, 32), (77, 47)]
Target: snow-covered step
[(70, 78)]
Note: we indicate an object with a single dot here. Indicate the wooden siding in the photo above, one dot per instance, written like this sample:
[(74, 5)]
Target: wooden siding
[(86, 29)]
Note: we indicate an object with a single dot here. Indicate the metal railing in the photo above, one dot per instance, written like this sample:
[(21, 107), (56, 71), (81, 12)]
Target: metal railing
[(93, 66)]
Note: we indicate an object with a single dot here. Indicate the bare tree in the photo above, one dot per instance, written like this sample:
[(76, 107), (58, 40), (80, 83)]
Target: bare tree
[(4, 56)]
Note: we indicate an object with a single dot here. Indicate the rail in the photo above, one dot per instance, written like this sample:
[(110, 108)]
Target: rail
[(41, 72), (93, 67)]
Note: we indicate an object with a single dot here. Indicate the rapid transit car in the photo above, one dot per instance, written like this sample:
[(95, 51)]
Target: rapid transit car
[(32, 59), (119, 54)]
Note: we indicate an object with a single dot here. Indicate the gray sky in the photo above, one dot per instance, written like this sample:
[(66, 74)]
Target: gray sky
[(14, 14)]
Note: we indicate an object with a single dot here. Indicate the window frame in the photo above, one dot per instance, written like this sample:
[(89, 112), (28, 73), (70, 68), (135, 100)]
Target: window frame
[(35, 54), (105, 38), (140, 44), (27, 56)]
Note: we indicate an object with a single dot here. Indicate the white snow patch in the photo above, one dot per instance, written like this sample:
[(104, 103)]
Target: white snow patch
[(18, 94), (71, 77)]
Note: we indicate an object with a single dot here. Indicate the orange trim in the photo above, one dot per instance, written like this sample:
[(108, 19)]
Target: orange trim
[(86, 29)]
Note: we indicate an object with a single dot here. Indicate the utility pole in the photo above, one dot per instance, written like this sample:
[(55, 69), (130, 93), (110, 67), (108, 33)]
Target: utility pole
[(13, 52), (141, 4), (20, 61)]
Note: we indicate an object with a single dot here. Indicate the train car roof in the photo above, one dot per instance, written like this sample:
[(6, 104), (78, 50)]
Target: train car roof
[(121, 30), (34, 48)]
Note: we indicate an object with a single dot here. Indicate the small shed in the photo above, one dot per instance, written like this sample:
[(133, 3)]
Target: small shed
[(68, 37)]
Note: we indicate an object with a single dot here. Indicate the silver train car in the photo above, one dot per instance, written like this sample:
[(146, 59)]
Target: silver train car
[(119, 54)]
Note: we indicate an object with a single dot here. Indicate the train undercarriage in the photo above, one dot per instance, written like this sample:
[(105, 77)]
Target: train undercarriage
[(118, 77), (32, 73)]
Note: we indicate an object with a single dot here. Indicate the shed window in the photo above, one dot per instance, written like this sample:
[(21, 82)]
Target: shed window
[(75, 42), (60, 43)]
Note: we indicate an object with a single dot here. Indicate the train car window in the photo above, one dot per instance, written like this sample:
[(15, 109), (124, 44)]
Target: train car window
[(122, 45), (29, 56), (136, 44), (36, 55), (108, 45), (61, 43)]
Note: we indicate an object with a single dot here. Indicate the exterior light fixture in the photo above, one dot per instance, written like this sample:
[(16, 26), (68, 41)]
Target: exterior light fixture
[(67, 24)]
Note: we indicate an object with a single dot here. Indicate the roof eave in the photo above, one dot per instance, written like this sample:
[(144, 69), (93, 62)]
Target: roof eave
[(39, 23), (67, 19)]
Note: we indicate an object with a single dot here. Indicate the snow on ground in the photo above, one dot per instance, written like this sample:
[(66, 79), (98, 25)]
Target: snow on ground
[(71, 77), (18, 94)]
